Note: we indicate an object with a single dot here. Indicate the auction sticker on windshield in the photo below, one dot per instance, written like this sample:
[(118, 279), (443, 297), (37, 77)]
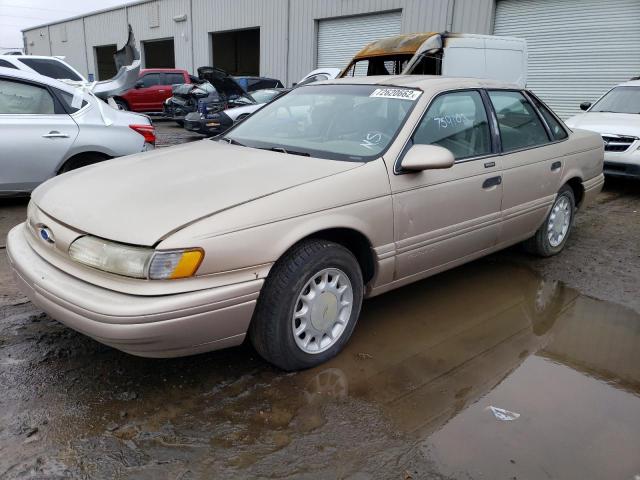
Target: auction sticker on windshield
[(399, 93)]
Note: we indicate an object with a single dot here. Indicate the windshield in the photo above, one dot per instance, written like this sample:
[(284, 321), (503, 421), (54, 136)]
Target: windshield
[(619, 100), (264, 96), (339, 122)]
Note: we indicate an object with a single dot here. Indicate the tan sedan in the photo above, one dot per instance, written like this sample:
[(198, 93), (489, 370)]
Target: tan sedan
[(335, 192)]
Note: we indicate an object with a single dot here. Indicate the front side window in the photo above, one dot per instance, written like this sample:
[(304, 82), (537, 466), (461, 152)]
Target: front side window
[(619, 100), (458, 122), (557, 130), (339, 122), (24, 98), (52, 68), (520, 126), (151, 79)]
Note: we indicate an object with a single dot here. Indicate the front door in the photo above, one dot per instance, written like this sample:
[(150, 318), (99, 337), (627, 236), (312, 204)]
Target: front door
[(35, 135), (146, 94), (444, 216)]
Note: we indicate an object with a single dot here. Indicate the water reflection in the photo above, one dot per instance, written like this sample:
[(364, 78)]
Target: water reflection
[(409, 391)]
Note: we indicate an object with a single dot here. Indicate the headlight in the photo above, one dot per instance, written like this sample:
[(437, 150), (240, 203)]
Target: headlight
[(136, 262)]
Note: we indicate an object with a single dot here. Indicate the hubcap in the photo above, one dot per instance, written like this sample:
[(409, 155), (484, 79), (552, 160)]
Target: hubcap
[(322, 310), (559, 221)]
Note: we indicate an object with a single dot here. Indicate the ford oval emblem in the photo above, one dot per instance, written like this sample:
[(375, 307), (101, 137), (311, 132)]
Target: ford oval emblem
[(46, 234)]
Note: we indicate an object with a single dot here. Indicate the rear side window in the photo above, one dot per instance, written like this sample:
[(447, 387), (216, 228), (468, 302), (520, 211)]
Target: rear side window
[(52, 68), (173, 78), (557, 130), (67, 100), (520, 126), (151, 79), (5, 64), (24, 98), (456, 121)]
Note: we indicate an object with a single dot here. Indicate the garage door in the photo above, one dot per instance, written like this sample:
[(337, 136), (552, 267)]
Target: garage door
[(577, 48), (339, 39)]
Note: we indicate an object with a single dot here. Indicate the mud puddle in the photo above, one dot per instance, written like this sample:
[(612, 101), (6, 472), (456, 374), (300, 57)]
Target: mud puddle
[(408, 398)]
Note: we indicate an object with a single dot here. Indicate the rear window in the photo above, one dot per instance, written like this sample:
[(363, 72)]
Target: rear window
[(52, 68), (5, 64), (173, 78)]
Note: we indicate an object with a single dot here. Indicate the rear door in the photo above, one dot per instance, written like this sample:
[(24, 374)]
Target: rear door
[(531, 162), (35, 134), (446, 216)]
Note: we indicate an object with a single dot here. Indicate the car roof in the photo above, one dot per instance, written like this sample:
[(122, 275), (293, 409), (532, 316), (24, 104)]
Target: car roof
[(36, 77), (422, 82), (631, 83), (162, 70)]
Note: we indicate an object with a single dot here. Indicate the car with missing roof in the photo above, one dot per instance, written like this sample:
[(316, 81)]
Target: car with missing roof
[(278, 229), (616, 117)]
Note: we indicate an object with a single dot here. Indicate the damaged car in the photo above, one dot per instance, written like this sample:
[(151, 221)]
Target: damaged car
[(48, 127), (278, 229), (217, 91), (215, 123), (448, 54)]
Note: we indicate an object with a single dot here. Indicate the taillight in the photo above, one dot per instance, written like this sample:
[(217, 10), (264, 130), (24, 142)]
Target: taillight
[(147, 131)]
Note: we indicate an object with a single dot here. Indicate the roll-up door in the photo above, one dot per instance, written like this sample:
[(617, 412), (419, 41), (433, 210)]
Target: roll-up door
[(339, 39), (578, 49)]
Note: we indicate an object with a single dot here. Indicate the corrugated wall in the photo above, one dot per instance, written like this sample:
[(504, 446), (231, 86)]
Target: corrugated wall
[(104, 29), (288, 42), (37, 41), (67, 39), (139, 18), (220, 15)]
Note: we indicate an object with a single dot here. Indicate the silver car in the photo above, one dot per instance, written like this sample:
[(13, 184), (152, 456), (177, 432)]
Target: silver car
[(48, 127), (616, 116)]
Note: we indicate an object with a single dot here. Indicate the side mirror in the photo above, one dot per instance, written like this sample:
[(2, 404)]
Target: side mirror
[(294, 84), (585, 105), (139, 84), (427, 157)]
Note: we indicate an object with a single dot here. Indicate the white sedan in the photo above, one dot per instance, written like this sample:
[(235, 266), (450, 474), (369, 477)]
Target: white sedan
[(48, 127)]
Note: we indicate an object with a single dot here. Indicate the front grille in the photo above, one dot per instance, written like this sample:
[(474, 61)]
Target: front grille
[(617, 143)]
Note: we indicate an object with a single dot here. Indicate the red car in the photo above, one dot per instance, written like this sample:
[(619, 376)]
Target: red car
[(152, 89)]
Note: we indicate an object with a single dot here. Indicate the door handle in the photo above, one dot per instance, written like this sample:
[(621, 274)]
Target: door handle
[(556, 166), (55, 134), (491, 182)]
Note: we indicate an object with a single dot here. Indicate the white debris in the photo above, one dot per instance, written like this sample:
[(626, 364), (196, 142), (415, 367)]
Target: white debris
[(502, 414)]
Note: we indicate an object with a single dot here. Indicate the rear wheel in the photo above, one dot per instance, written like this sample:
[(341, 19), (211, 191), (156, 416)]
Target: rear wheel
[(308, 306), (82, 160), (552, 236), (122, 105)]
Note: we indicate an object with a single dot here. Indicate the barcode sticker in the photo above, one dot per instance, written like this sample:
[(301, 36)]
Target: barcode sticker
[(399, 93)]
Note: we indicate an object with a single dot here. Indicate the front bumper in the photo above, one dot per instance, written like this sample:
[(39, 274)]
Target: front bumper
[(148, 326), (623, 164), (196, 122)]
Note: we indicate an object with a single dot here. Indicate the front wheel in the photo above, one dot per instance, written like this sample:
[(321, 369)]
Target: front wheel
[(552, 236), (309, 305)]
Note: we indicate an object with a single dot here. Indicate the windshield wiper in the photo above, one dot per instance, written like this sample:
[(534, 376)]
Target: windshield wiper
[(289, 152), (232, 141)]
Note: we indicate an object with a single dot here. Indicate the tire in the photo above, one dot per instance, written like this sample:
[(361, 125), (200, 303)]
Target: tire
[(272, 328), (122, 105), (541, 244), (82, 160)]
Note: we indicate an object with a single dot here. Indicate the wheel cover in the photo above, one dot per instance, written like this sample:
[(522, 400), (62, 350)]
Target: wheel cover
[(322, 310), (559, 221)]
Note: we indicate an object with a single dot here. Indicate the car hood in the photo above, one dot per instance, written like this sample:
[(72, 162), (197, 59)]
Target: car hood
[(142, 198), (605, 122)]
